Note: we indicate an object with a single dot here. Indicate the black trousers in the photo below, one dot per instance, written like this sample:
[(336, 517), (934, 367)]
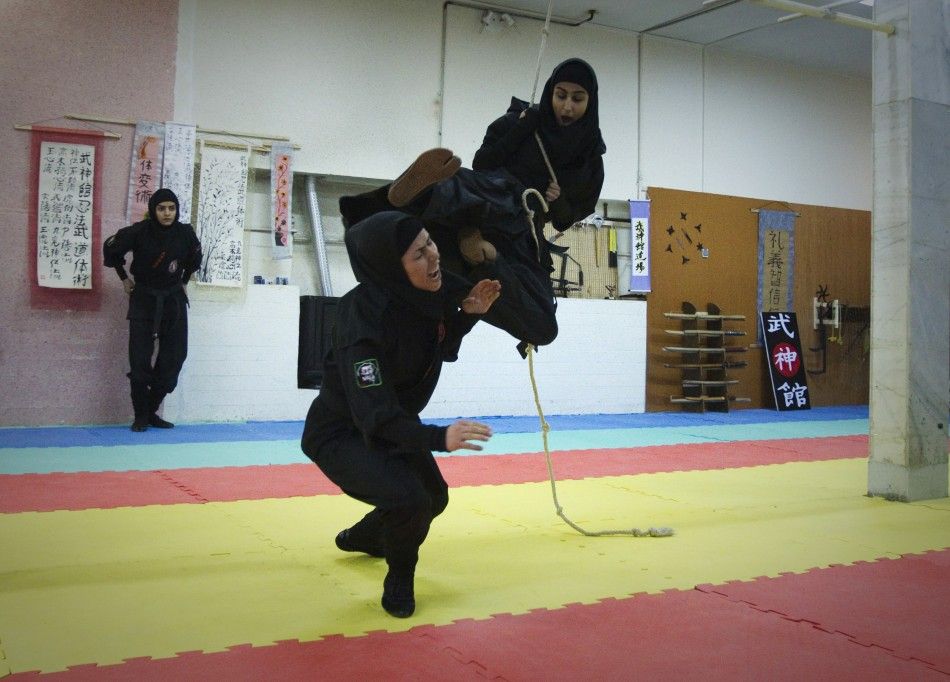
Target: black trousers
[(406, 492), (491, 202), (149, 382)]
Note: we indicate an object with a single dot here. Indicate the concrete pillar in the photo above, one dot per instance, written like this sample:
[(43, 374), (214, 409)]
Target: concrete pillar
[(910, 252)]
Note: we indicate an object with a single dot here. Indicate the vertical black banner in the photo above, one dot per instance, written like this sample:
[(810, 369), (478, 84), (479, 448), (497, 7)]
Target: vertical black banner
[(783, 353)]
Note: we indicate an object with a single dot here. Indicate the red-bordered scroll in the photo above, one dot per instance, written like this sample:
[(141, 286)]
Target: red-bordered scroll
[(64, 246)]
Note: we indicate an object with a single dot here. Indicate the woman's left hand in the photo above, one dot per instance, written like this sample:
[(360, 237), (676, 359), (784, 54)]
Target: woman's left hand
[(553, 192), (481, 297), (462, 432)]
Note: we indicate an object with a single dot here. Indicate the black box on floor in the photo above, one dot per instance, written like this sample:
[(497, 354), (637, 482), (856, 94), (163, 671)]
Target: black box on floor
[(316, 322)]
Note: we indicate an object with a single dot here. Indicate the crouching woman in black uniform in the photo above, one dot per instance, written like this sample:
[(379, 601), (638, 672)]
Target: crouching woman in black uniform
[(391, 335), (165, 253)]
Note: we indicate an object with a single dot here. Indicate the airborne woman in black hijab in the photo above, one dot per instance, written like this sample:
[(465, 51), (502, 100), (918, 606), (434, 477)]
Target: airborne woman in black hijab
[(391, 335), (477, 215), (165, 253)]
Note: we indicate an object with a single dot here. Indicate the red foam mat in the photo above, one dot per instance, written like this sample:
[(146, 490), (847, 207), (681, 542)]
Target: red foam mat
[(896, 604), (678, 635), (106, 490)]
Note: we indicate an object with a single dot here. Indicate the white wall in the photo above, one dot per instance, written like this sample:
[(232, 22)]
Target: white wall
[(582, 372), (242, 362), (360, 90), (242, 357), (485, 68)]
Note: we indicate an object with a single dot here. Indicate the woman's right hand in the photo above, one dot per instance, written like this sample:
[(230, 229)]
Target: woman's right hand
[(128, 284), (462, 432)]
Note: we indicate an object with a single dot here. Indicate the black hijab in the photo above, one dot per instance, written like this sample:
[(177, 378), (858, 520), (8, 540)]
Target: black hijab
[(375, 247), (571, 145), (160, 195)]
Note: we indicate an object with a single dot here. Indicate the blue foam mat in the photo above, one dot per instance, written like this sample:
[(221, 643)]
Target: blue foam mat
[(117, 435)]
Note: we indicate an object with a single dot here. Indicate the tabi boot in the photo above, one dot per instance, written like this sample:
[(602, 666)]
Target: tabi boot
[(139, 424), (347, 543), (399, 598), (158, 422), (430, 167), (155, 398), (475, 250)]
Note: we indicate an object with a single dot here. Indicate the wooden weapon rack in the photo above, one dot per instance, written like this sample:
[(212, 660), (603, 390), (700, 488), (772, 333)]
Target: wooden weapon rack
[(705, 358)]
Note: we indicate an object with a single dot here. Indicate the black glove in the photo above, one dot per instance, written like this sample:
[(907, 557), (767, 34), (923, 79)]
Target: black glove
[(529, 119)]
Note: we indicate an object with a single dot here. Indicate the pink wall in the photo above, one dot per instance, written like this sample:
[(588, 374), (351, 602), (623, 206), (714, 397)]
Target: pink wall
[(101, 58)]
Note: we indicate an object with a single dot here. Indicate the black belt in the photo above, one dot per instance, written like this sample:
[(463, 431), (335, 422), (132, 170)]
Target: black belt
[(160, 296)]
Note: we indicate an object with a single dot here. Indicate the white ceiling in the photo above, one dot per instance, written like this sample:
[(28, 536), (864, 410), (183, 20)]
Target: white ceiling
[(736, 25)]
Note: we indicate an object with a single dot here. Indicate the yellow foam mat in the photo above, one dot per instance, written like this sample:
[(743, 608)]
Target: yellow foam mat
[(100, 586)]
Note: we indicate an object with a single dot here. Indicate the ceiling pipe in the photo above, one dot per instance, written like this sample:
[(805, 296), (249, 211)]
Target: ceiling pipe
[(825, 13), (524, 14)]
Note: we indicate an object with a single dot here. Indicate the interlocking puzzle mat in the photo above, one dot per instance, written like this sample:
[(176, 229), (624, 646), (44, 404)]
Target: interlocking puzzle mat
[(781, 567)]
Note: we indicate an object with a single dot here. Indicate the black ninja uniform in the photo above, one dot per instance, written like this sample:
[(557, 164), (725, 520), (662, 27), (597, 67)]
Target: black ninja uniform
[(489, 198), (163, 260), (363, 430)]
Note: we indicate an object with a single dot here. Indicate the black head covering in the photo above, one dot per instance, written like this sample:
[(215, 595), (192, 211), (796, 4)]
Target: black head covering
[(574, 144), (160, 195), (375, 247)]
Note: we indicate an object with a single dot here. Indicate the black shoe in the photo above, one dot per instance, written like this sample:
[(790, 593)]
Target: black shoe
[(159, 423), (399, 599), (139, 424), (358, 207), (345, 543)]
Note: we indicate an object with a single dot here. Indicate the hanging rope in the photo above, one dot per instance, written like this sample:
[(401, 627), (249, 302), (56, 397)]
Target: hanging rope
[(653, 532), (529, 215), (545, 427), (534, 91), (544, 37)]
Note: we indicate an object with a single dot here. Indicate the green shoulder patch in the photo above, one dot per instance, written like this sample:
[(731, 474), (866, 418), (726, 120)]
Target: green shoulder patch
[(367, 373)]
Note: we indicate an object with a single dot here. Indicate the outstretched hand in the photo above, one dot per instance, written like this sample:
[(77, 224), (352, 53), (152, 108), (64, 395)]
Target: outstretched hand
[(481, 297), (462, 432)]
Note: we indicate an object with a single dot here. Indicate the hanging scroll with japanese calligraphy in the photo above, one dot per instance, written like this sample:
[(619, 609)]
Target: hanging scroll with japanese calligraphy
[(222, 198), (178, 165), (783, 351), (639, 246), (776, 259), (145, 172), (64, 219), (281, 188)]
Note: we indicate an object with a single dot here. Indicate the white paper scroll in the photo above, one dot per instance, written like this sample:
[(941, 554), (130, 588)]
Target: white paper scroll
[(145, 172), (281, 197), (64, 215), (178, 166), (222, 199)]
